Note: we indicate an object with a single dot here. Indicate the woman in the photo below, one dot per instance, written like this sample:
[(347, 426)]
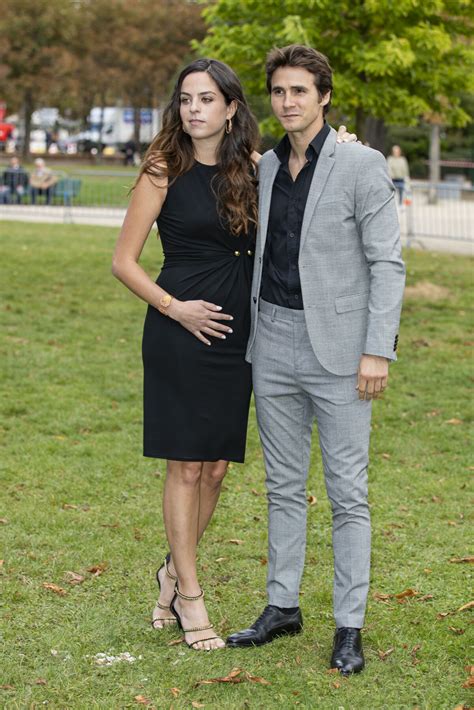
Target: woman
[(198, 181)]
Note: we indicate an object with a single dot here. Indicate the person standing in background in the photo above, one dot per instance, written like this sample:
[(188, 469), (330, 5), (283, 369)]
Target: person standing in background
[(398, 171)]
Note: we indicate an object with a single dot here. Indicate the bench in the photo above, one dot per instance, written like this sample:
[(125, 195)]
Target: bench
[(66, 190)]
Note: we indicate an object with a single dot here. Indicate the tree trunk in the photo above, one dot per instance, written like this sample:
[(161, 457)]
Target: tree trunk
[(361, 119), (435, 174), (27, 111), (375, 133), (136, 128)]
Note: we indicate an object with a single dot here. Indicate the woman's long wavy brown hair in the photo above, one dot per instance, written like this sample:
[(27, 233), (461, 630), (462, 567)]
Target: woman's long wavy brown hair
[(171, 152)]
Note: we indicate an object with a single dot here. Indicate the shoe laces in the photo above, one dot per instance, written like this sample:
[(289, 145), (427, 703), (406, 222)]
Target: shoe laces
[(348, 638), (266, 612)]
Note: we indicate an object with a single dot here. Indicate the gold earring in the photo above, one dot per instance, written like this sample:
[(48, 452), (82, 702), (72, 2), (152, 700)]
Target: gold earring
[(228, 125)]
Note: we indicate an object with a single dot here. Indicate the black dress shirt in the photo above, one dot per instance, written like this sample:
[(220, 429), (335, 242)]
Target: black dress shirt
[(280, 275)]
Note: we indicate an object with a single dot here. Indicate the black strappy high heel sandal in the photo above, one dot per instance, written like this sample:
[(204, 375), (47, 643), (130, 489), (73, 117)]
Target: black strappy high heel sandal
[(196, 628), (166, 619)]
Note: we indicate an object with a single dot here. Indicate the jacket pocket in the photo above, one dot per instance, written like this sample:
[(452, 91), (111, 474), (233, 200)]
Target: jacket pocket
[(352, 302)]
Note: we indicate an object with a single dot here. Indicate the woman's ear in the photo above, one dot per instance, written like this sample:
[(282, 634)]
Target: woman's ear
[(232, 109)]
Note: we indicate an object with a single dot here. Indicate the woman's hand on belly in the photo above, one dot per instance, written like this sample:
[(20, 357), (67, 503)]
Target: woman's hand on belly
[(200, 318)]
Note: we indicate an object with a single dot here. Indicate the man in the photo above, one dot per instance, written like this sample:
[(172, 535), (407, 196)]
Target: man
[(14, 182), (326, 302), (42, 181)]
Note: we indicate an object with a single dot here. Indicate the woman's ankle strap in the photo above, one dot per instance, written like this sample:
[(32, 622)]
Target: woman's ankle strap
[(168, 573), (188, 598)]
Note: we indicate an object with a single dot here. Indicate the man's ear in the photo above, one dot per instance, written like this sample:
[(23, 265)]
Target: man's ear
[(326, 99)]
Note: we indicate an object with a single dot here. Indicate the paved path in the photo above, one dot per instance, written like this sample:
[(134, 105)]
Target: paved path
[(428, 223)]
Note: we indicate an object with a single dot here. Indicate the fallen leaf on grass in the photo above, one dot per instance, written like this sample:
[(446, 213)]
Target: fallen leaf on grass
[(220, 559), (255, 492), (237, 675), (69, 506), (469, 683), (74, 578), (7, 687), (234, 541), (195, 704), (457, 560), (380, 597), (455, 630), (175, 642), (175, 692), (336, 684), (97, 570), (465, 607), (436, 499), (386, 456), (233, 677), (3, 521), (425, 598), (413, 653), (312, 500), (41, 681), (400, 596), (454, 525), (263, 561), (454, 421), (257, 679), (332, 670), (469, 669), (406, 593), (137, 534), (141, 700), (1, 563), (385, 654), (54, 588)]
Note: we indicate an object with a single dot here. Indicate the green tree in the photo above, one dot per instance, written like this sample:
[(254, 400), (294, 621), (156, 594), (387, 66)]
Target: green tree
[(395, 62)]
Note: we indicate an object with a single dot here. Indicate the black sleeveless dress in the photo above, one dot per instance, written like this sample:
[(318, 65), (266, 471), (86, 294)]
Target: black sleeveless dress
[(196, 396)]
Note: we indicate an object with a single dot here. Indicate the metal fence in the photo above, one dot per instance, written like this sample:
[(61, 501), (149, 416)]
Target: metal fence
[(432, 216), (440, 212)]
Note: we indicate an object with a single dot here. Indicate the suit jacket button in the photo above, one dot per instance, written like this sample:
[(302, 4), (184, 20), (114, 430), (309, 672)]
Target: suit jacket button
[(254, 300)]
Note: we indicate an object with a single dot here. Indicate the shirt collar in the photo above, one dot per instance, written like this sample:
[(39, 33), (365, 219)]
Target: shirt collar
[(283, 148)]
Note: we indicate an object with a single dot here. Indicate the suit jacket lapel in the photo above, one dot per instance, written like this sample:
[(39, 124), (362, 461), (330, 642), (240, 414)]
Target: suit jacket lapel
[(266, 180), (323, 168)]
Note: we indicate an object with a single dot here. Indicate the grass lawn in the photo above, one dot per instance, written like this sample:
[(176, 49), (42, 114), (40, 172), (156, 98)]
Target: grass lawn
[(78, 496)]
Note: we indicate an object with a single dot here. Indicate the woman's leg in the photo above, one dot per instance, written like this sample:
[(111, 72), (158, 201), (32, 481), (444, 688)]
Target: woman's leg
[(181, 506), (212, 475)]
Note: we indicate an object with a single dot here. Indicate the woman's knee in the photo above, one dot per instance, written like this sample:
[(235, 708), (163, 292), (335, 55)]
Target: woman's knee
[(187, 472), (213, 472)]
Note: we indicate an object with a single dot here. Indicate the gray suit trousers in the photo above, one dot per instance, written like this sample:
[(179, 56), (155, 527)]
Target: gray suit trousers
[(291, 390)]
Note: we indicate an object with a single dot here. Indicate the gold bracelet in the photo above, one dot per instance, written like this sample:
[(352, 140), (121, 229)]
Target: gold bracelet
[(164, 303)]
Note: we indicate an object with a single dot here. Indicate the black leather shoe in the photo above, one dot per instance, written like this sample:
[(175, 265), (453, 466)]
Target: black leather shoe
[(269, 625), (347, 653)]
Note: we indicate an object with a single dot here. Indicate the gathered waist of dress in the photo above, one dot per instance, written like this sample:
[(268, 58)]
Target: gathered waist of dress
[(205, 255)]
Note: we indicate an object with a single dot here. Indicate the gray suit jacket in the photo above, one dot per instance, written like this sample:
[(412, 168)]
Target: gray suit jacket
[(351, 270)]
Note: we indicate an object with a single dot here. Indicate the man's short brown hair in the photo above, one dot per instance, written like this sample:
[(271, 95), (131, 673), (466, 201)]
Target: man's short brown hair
[(298, 55)]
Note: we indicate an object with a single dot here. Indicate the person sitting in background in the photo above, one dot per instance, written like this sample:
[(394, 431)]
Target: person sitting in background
[(42, 181), (398, 170), (14, 183)]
